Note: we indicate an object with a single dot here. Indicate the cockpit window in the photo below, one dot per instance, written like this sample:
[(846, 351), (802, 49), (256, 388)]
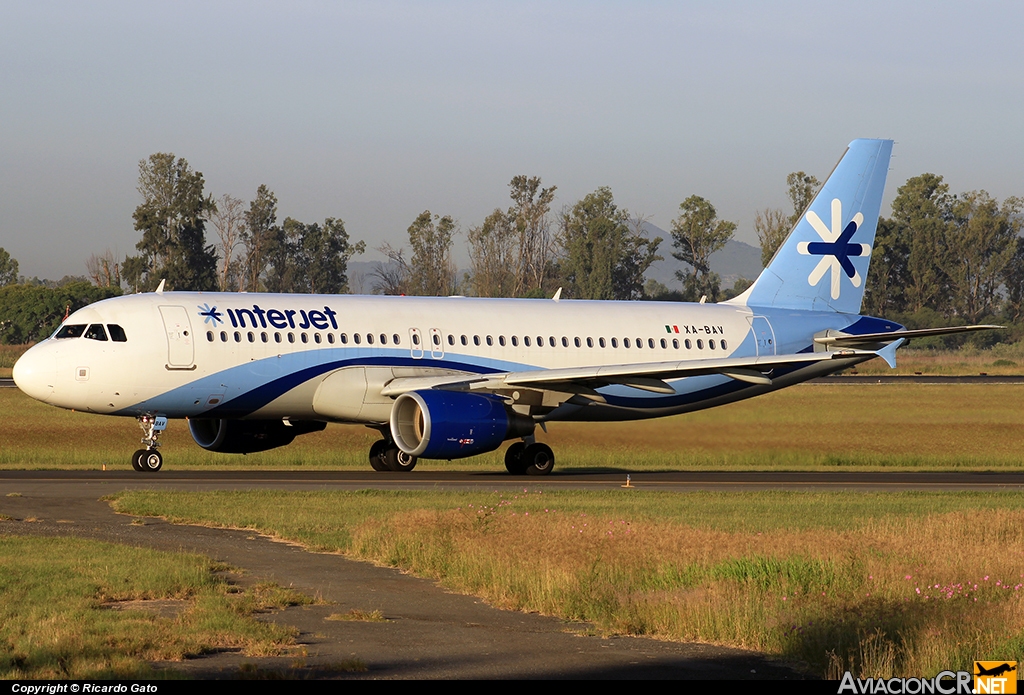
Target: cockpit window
[(96, 332), (117, 333), (74, 330)]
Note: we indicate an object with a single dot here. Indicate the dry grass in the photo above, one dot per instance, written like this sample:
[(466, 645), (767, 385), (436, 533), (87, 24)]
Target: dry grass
[(880, 584), (805, 427)]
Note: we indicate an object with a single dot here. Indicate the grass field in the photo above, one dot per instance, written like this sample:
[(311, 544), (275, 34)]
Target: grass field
[(881, 584), (73, 608), (823, 427)]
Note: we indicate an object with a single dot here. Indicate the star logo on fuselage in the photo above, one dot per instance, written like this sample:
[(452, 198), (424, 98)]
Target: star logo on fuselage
[(212, 315), (834, 248)]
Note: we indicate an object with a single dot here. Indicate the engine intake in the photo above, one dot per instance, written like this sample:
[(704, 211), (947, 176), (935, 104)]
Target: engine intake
[(248, 436), (451, 424)]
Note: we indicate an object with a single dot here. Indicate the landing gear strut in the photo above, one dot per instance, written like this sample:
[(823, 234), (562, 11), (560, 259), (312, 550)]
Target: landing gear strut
[(385, 456), (149, 459)]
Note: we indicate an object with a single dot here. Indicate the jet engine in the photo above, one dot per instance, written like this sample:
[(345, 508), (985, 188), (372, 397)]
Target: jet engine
[(248, 436), (451, 424)]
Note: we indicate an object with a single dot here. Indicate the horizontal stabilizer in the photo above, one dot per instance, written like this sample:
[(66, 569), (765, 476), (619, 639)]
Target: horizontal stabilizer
[(847, 340)]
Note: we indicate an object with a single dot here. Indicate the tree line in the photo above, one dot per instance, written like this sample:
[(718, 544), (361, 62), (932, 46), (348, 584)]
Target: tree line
[(939, 258)]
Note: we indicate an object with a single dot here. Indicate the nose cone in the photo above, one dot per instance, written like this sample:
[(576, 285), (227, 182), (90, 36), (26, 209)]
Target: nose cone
[(35, 372)]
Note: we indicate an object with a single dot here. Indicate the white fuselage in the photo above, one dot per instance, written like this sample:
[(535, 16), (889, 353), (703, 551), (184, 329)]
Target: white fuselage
[(268, 356)]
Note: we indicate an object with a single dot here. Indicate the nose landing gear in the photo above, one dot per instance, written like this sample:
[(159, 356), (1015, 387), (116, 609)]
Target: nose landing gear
[(149, 459)]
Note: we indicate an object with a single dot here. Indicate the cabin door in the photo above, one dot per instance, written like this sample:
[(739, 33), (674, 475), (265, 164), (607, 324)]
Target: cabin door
[(180, 347)]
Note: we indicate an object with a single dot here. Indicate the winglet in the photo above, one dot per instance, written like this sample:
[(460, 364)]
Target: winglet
[(888, 353), (558, 294)]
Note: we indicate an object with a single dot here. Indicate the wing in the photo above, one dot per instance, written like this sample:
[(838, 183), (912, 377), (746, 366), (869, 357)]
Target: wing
[(647, 376)]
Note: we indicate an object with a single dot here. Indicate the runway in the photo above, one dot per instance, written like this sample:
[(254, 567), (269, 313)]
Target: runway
[(97, 483)]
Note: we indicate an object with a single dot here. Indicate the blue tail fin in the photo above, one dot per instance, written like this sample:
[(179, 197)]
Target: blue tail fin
[(823, 263)]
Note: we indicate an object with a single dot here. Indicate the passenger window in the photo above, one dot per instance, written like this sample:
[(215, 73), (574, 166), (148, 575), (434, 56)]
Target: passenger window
[(277, 337), (551, 341), (490, 340), (476, 340), (344, 338), (96, 332), (590, 342), (625, 342), (369, 338), (451, 339), (238, 337), (71, 331), (650, 343), (223, 337), (263, 336), (291, 337), (317, 338), (252, 337), (117, 333), (465, 340), (209, 336), (540, 341), (396, 339), (639, 342), (711, 344), (724, 346), (415, 339), (436, 339), (356, 339), (383, 339), (526, 340), (501, 340), (565, 341), (664, 344), (700, 344), (675, 343), (515, 341), (330, 338), (689, 345), (615, 342)]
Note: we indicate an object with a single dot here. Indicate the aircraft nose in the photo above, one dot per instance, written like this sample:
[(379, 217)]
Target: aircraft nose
[(35, 373)]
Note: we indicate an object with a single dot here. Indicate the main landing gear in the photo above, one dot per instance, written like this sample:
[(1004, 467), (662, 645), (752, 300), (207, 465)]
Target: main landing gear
[(149, 459), (531, 458), (385, 456)]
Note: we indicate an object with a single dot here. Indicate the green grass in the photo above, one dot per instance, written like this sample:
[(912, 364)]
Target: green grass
[(58, 617), (882, 584), (809, 427)]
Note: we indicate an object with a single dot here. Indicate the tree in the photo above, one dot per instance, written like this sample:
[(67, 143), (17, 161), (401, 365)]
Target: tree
[(310, 258), (392, 278), (512, 251), (229, 222), (602, 256), (491, 253), (8, 268), (697, 233), (258, 234), (982, 238), (922, 212), (172, 219), (802, 188), (104, 270), (772, 227), (29, 313), (431, 270)]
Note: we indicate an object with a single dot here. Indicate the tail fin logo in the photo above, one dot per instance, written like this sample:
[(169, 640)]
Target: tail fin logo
[(834, 248)]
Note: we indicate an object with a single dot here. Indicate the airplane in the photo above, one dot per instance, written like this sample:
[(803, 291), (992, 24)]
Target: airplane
[(453, 377)]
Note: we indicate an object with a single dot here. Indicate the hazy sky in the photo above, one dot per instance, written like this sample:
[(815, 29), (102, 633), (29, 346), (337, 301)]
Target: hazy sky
[(374, 112)]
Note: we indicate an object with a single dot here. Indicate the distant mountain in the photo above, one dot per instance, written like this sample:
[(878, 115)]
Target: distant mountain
[(736, 260)]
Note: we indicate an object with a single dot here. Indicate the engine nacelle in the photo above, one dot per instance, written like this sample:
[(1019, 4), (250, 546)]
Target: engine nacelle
[(248, 436), (453, 424)]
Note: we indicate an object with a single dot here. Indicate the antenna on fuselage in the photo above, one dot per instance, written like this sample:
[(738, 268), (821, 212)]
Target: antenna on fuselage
[(160, 287), (558, 294)]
